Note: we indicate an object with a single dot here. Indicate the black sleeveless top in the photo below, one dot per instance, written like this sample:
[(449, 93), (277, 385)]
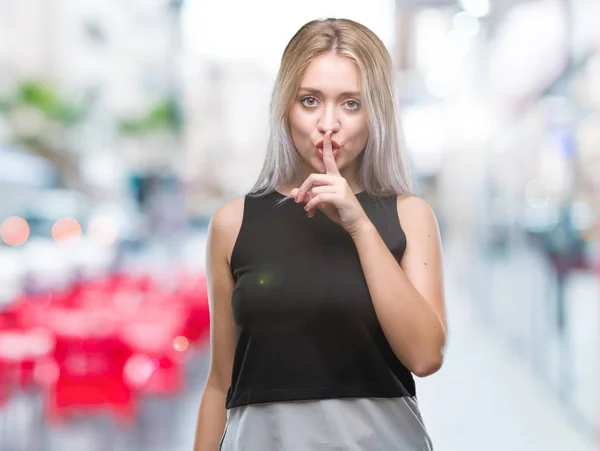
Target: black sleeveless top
[(306, 325)]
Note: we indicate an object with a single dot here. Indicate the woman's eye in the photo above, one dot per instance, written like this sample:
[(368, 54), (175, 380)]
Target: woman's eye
[(353, 104), (309, 101)]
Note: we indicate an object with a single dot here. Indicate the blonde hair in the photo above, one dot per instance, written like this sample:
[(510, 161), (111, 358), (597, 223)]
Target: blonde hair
[(381, 168)]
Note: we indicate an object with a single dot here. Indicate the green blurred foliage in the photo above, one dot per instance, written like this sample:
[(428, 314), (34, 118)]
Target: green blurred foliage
[(162, 116), (46, 99)]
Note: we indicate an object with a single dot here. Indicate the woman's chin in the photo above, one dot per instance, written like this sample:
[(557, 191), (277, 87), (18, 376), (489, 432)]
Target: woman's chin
[(314, 165)]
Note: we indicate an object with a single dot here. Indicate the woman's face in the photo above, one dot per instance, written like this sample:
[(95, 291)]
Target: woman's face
[(329, 99)]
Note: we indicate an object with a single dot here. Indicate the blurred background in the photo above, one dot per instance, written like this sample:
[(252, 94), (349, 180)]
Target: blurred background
[(125, 123)]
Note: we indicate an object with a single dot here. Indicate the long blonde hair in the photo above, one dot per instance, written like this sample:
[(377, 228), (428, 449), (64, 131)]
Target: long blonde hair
[(382, 167)]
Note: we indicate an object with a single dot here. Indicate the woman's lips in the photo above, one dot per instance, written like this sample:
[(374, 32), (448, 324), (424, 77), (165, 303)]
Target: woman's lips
[(335, 151), (334, 145)]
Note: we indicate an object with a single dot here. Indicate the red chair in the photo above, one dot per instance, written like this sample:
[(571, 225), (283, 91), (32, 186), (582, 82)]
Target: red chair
[(156, 336), (197, 325), (149, 375), (91, 379), (4, 385), (20, 351), (193, 296)]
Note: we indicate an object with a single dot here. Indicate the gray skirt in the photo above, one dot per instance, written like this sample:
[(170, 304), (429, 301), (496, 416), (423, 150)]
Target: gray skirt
[(357, 424)]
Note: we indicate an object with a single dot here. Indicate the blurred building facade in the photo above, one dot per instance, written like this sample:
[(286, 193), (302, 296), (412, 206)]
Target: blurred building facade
[(89, 95), (226, 133), (119, 58)]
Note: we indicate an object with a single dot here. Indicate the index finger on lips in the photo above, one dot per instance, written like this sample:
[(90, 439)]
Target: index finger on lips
[(328, 158)]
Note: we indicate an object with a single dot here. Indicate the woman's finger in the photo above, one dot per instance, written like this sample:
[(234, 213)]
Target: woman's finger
[(328, 158), (313, 180), (315, 191), (318, 200), (323, 189)]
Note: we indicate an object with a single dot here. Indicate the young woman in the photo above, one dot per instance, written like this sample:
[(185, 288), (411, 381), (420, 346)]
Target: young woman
[(325, 281)]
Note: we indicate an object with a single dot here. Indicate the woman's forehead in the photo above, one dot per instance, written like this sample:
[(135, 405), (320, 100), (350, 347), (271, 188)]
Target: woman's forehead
[(331, 74)]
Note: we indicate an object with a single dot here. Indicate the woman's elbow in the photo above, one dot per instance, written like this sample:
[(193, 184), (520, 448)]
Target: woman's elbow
[(428, 367)]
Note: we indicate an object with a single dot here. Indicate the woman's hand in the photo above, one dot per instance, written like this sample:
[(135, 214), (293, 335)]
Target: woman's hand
[(331, 194)]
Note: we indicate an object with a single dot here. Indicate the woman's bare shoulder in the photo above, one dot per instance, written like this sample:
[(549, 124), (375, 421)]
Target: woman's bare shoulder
[(229, 214), (414, 208), (225, 224)]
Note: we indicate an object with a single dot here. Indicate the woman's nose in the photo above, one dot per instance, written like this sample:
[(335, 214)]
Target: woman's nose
[(329, 120)]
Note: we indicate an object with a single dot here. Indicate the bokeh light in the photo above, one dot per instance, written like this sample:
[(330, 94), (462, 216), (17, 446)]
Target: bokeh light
[(180, 343), (66, 230), (103, 231), (14, 231)]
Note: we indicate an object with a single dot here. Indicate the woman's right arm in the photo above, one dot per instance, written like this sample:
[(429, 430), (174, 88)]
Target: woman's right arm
[(222, 233)]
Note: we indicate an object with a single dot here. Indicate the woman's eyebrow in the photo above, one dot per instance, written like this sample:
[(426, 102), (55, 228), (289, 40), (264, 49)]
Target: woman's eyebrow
[(343, 94)]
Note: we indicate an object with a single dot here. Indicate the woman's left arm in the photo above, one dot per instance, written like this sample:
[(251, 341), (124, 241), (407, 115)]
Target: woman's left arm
[(408, 297)]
